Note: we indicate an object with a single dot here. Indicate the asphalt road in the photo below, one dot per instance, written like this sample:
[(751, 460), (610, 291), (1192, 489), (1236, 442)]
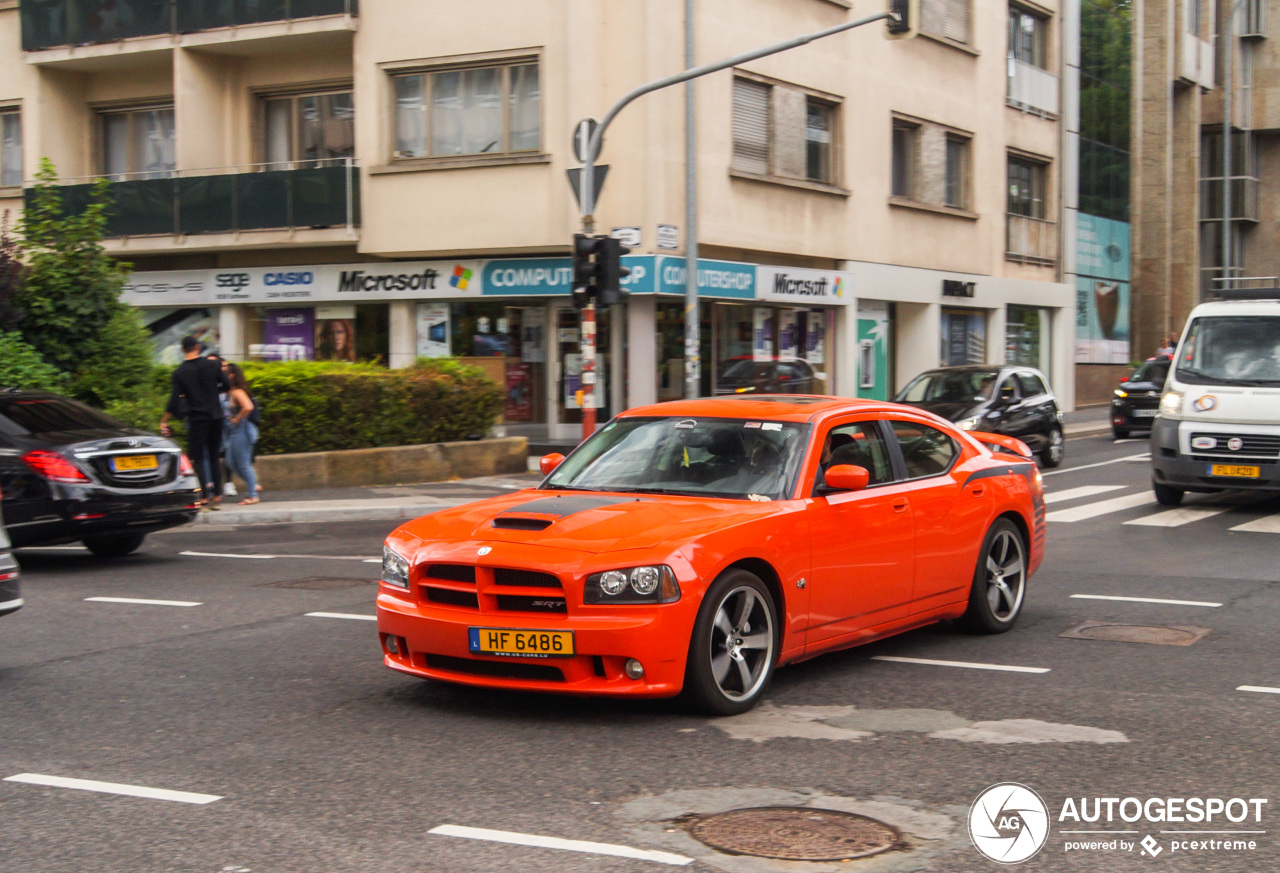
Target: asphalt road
[(321, 759)]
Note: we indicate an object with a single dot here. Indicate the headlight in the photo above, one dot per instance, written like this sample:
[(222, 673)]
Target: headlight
[(969, 423), (1171, 403), (395, 569), (652, 584), (1119, 393)]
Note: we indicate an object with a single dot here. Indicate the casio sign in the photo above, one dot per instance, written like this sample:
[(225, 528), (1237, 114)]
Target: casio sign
[(231, 280), (304, 278)]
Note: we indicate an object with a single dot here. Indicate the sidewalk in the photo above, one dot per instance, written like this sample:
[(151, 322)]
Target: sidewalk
[(1087, 421)]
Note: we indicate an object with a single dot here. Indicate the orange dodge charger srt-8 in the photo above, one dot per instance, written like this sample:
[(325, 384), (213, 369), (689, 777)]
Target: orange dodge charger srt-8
[(696, 545)]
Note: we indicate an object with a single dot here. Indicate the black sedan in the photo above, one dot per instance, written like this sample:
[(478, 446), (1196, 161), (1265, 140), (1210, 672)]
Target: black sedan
[(1010, 400), (1137, 400), (10, 594), (785, 376), (69, 472)]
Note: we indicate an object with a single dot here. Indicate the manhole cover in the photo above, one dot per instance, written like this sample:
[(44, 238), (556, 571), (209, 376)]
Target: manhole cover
[(317, 583), (791, 833), (1137, 633)]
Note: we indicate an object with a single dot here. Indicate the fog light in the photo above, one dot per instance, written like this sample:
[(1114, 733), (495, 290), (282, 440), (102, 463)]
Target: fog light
[(392, 647), (634, 669)]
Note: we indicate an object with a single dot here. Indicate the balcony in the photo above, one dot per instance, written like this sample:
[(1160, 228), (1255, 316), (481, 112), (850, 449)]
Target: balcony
[(53, 23), (1031, 240), (262, 197), (1253, 19), (1032, 89), (1244, 198)]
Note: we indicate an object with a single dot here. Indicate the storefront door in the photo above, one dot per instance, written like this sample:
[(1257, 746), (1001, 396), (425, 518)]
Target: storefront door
[(566, 343)]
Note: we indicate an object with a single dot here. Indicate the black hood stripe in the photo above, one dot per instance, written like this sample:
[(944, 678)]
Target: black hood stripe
[(561, 507)]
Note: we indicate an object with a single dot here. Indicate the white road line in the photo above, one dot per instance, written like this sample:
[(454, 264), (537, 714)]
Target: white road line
[(1082, 491), (342, 615), (1180, 516), (1266, 524), (1145, 600), (113, 788), (517, 839), (295, 557), (968, 664), (1145, 456), (1261, 689), (55, 548), (221, 555), (1102, 507), (143, 602)]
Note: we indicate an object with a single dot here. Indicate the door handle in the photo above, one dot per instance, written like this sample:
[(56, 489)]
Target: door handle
[(900, 504), (977, 490)]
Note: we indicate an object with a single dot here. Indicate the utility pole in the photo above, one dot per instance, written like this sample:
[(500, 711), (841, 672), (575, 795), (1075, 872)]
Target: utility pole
[(692, 325)]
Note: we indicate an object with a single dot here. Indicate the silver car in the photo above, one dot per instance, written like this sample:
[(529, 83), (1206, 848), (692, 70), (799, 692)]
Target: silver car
[(10, 599)]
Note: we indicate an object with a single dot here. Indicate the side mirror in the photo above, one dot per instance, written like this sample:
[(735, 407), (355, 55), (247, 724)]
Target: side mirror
[(550, 462), (847, 477)]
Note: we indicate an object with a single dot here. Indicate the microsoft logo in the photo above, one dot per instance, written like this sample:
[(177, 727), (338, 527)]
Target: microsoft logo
[(460, 278)]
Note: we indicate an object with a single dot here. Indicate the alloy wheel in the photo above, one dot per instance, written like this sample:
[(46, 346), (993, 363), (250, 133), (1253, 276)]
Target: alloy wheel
[(1006, 575), (741, 643)]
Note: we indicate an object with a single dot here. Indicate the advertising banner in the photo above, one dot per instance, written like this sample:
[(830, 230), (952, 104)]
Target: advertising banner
[(433, 330), (519, 400), (800, 286), (1102, 292), (287, 335), (762, 334)]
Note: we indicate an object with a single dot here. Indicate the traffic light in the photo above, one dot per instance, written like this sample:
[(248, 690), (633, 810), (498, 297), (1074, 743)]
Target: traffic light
[(586, 268), (611, 272), (906, 21)]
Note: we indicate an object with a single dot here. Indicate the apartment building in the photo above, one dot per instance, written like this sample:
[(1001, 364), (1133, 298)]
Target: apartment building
[(387, 180)]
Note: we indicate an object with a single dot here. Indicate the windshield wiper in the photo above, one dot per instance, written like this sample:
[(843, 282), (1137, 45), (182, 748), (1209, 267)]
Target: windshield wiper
[(1216, 380), (568, 488)]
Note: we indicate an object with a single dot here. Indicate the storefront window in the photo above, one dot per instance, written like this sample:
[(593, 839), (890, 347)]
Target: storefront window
[(320, 333), (964, 337), (169, 326), (770, 349), (1027, 337), (509, 343)]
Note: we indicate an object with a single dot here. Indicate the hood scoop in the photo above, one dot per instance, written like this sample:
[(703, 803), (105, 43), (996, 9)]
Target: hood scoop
[(519, 522)]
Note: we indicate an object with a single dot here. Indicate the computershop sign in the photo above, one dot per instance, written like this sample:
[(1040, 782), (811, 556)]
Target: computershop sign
[(471, 278)]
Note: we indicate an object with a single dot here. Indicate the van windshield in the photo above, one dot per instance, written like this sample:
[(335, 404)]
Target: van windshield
[(1234, 349)]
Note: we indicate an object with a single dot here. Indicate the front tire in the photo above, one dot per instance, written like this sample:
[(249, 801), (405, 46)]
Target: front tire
[(734, 645), (114, 546), (1055, 448), (1167, 495), (999, 581)]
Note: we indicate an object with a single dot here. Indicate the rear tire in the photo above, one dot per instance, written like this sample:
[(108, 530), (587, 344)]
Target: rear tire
[(1055, 449), (116, 546), (1167, 495), (999, 581), (734, 646)]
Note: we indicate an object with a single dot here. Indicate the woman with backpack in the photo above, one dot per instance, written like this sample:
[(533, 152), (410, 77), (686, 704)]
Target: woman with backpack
[(242, 432)]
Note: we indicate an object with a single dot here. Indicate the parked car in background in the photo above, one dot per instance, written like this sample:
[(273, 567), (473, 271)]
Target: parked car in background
[(68, 472), (780, 376), (10, 593), (1137, 399), (1011, 400)]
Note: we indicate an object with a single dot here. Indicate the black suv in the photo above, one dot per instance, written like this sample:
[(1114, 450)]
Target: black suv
[(1010, 400), (1137, 400), (68, 472)]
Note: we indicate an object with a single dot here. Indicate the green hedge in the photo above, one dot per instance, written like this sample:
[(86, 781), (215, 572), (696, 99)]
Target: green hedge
[(323, 406)]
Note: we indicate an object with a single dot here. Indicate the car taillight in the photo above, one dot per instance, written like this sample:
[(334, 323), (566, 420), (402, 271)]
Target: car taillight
[(184, 466), (54, 467)]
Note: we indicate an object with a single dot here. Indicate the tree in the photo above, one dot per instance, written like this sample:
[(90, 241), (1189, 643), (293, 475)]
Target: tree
[(71, 287), (10, 278)]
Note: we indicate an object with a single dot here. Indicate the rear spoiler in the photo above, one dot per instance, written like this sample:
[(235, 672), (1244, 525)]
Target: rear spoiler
[(1000, 443)]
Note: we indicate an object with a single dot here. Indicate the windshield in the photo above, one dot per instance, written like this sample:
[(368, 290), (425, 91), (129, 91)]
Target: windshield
[(1151, 371), (718, 457), (964, 386), (1234, 349), (52, 414)]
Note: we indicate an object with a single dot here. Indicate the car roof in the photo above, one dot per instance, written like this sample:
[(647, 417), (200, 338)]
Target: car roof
[(772, 407)]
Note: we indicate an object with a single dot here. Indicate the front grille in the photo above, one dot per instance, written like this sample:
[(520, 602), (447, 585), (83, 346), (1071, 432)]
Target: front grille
[(527, 603), (524, 578), (452, 573), (1257, 445), (451, 597), (507, 669)]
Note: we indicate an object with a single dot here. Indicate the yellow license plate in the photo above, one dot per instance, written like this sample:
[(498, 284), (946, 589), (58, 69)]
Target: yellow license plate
[(521, 643), (1233, 470), (134, 462)]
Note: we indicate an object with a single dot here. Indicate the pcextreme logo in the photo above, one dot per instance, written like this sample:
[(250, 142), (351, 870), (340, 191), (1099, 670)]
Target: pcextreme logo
[(1009, 823)]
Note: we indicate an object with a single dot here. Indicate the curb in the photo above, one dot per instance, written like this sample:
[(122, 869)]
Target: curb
[(305, 514)]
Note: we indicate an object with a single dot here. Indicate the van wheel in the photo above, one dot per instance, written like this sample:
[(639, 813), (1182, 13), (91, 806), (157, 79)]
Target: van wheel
[(1167, 495)]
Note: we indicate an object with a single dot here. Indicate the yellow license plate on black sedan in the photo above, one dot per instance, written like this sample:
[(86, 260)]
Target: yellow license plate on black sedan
[(521, 643), (129, 463), (1235, 470)]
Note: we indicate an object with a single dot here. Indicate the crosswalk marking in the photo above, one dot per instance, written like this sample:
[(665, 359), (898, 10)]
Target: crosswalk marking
[(1180, 516), (1102, 507), (1266, 524), (1082, 491)]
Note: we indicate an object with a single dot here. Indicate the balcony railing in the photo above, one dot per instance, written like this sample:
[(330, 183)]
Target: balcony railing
[(1032, 88), (51, 23), (1031, 240), (1253, 19), (1244, 198), (313, 194)]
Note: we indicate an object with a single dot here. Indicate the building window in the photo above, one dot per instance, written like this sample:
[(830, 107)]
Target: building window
[(957, 180), (764, 147), (1028, 37), (948, 19), (138, 143), (905, 158), (10, 148), (308, 128), (491, 110), (1027, 187)]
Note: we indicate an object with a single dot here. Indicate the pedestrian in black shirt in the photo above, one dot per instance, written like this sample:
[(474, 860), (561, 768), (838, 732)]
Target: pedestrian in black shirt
[(196, 385)]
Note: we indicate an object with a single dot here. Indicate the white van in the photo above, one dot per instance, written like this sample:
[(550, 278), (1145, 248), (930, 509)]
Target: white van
[(1219, 423)]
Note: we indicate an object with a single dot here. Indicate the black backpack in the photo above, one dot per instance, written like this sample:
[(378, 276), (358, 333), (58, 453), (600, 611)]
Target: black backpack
[(255, 415)]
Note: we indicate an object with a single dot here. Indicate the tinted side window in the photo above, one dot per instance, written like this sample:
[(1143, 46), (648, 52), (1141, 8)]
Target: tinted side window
[(1009, 388), (858, 444), (1031, 385), (47, 415), (926, 450)]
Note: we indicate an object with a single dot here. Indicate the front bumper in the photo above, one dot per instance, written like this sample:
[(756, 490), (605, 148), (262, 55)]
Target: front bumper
[(1171, 466), (433, 642)]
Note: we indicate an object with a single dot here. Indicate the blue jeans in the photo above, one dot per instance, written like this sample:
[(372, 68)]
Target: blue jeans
[(239, 441)]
